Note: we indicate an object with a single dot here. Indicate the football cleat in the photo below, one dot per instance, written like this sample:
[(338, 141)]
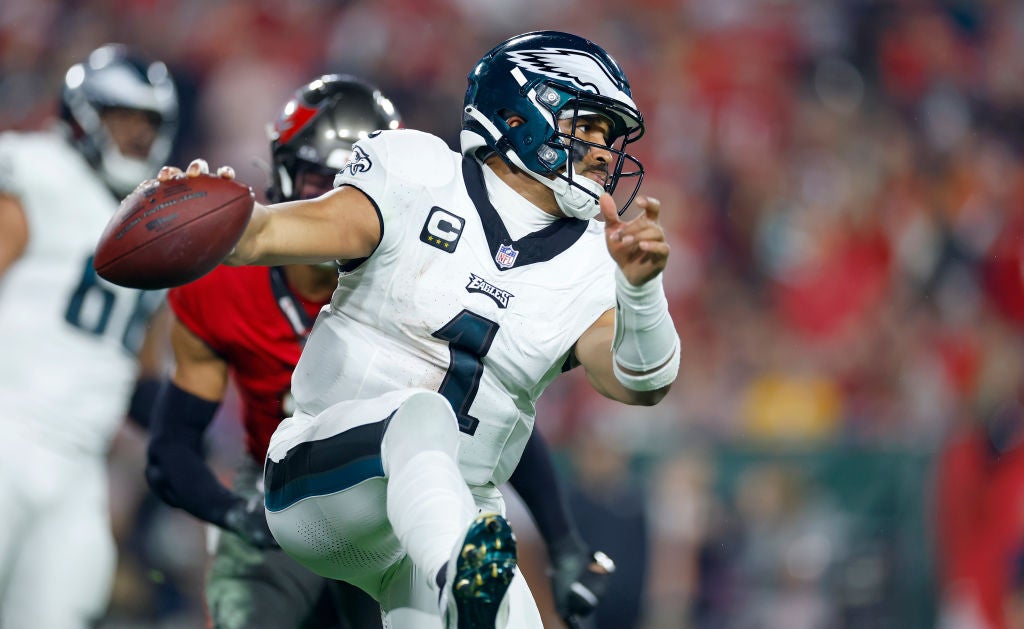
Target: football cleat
[(480, 573)]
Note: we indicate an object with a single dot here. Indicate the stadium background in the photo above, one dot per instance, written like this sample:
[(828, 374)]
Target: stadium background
[(841, 182)]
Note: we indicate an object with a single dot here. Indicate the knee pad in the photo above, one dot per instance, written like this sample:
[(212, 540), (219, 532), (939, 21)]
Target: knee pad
[(424, 421)]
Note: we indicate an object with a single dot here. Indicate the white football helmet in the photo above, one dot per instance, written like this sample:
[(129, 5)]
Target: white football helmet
[(113, 76)]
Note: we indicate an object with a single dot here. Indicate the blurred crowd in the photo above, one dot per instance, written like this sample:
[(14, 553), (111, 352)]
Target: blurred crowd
[(842, 185)]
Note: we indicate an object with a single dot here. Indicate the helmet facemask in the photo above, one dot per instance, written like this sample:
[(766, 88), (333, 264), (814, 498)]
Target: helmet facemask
[(121, 172), (296, 178), (578, 194)]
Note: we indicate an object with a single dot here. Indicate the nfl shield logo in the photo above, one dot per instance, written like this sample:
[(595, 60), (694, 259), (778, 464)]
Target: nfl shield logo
[(506, 256)]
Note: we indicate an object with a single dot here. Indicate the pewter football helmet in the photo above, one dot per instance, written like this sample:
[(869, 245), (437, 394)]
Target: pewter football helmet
[(316, 129)]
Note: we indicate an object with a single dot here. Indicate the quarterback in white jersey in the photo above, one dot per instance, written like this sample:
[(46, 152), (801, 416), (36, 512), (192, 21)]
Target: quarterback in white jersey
[(483, 336), (68, 363), (471, 282)]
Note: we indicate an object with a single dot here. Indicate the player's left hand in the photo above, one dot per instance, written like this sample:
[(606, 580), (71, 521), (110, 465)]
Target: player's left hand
[(638, 246), (248, 520), (578, 581)]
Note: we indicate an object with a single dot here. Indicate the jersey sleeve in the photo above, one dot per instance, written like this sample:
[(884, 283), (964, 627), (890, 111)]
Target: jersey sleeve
[(366, 169), (186, 303), (397, 170)]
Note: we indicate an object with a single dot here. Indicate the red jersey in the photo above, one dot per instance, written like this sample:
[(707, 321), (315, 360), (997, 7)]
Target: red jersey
[(1002, 269), (240, 314)]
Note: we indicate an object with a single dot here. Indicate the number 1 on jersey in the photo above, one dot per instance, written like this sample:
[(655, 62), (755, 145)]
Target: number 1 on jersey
[(469, 339)]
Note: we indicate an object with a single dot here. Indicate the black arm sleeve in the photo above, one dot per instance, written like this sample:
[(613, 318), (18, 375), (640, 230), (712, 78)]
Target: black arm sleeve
[(140, 409), (176, 468), (537, 483)]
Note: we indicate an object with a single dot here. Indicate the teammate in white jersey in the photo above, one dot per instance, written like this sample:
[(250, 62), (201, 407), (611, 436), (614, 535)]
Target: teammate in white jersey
[(475, 280), (69, 339)]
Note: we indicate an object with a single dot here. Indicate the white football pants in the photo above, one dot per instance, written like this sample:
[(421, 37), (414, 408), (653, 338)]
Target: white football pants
[(330, 507), (57, 552)]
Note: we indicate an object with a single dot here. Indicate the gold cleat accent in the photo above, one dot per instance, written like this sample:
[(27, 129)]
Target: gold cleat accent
[(485, 566)]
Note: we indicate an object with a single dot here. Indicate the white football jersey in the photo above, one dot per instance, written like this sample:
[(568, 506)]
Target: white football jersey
[(67, 337), (449, 301)]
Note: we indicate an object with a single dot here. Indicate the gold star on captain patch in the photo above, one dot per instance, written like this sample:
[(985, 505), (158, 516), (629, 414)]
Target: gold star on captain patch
[(445, 245)]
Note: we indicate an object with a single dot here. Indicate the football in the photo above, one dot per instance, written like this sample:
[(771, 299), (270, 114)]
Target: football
[(170, 233)]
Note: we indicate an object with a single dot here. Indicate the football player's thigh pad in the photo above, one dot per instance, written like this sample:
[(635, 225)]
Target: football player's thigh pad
[(424, 421)]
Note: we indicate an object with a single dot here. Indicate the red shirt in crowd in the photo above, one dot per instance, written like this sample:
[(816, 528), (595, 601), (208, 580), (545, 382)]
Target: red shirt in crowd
[(980, 509)]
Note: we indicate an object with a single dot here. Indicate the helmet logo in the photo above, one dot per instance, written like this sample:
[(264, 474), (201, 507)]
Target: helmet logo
[(506, 256), (297, 116), (575, 66)]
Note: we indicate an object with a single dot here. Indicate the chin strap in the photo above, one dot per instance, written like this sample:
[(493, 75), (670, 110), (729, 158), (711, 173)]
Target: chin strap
[(580, 198), (645, 350)]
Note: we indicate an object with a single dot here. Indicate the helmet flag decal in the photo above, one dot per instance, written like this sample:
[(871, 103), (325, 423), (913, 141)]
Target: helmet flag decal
[(288, 126), (568, 65)]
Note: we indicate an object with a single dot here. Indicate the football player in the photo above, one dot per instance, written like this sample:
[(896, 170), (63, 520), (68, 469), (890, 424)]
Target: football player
[(69, 339), (471, 282), (251, 323)]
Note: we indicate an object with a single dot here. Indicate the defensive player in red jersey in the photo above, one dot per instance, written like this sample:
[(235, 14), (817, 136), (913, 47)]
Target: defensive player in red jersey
[(249, 324)]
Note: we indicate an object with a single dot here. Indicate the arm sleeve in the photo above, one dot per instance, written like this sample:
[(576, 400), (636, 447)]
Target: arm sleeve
[(140, 408), (537, 483), (176, 468)]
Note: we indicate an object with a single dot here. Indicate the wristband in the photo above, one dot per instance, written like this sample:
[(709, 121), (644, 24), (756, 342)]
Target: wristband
[(645, 342)]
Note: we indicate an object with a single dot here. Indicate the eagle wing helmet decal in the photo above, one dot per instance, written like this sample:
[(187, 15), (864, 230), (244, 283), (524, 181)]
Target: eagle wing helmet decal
[(570, 65)]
